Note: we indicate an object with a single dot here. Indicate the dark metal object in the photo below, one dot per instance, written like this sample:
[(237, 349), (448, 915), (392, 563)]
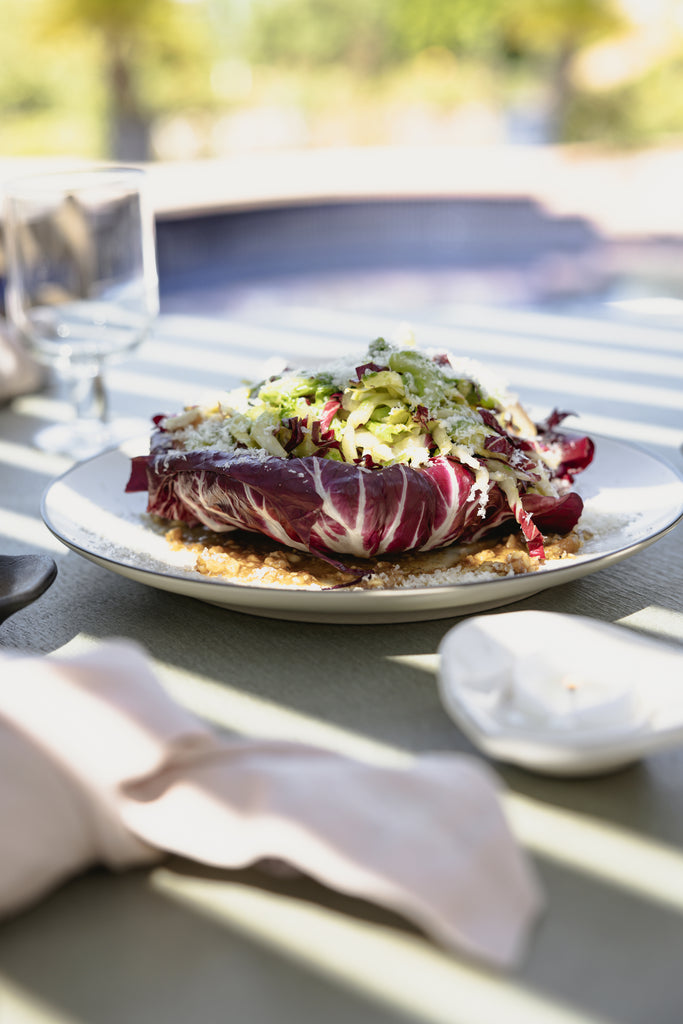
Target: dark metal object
[(23, 578)]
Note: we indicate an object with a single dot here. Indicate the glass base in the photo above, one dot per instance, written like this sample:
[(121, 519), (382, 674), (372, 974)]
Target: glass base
[(83, 438)]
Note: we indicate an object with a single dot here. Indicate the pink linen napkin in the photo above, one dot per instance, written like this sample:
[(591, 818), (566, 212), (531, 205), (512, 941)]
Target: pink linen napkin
[(99, 765)]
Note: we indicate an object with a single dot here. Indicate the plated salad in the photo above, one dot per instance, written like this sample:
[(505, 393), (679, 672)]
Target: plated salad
[(399, 450)]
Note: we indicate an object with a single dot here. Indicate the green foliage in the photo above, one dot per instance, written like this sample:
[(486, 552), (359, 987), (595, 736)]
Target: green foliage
[(48, 100), (465, 28), (633, 114), (77, 74), (544, 26), (70, 68), (167, 46), (317, 32)]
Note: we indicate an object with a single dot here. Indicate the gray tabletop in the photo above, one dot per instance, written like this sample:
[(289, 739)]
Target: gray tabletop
[(178, 943)]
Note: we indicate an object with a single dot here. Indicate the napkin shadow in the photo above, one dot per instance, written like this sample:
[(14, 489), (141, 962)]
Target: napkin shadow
[(108, 949), (279, 879)]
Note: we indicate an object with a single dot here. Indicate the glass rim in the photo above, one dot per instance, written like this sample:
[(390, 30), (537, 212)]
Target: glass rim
[(76, 179)]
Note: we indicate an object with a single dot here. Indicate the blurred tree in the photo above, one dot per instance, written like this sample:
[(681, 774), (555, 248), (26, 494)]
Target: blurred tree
[(644, 109), (550, 34), (36, 96), (369, 35), (140, 44), (93, 77)]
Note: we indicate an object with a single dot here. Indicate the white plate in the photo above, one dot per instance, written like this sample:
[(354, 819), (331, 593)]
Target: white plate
[(632, 498)]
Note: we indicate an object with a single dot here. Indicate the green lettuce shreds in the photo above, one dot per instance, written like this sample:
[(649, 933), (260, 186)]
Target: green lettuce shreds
[(396, 406)]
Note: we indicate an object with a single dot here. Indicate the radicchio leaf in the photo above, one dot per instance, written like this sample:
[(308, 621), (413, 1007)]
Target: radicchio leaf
[(369, 368), (330, 409), (323, 439), (331, 508), (421, 415), (295, 425), (491, 421), (574, 454)]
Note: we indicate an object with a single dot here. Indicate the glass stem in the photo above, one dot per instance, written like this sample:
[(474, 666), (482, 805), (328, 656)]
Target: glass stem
[(89, 396)]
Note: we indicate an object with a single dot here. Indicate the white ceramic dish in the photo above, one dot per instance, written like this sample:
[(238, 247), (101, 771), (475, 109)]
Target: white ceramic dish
[(561, 694), (632, 498)]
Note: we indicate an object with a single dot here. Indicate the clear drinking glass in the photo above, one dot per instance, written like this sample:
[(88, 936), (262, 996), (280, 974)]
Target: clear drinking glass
[(82, 286)]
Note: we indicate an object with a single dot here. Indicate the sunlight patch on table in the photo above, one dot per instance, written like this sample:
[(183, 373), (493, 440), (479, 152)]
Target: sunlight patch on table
[(562, 351), (340, 329), (230, 708), (28, 530), (657, 621), (617, 856), (388, 966), (19, 1006), (168, 393), (636, 431), (490, 333), (603, 389), (620, 330), (428, 663), (289, 336), (23, 456), (44, 407), (227, 362)]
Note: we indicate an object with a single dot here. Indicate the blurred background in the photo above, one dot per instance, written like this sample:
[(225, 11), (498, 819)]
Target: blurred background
[(569, 110), (179, 79)]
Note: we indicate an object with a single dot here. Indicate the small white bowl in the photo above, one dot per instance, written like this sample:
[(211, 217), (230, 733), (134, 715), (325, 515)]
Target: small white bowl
[(561, 694)]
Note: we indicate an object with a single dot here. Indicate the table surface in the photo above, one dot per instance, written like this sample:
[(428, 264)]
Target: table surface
[(177, 943)]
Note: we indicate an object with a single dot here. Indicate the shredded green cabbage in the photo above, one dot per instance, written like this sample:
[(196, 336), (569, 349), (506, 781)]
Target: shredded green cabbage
[(394, 406)]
